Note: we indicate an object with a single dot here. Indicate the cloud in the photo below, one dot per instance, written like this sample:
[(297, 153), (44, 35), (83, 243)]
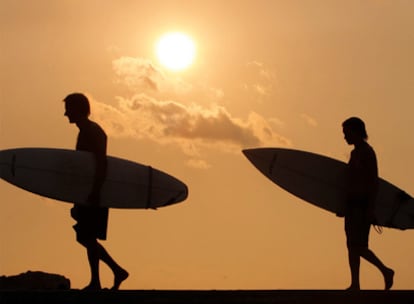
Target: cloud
[(140, 74), (260, 81), (309, 120), (198, 164), (260, 89), (159, 109), (277, 122), (137, 72), (191, 126)]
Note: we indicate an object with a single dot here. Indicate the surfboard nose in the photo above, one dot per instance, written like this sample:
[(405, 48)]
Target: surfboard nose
[(249, 153), (260, 156)]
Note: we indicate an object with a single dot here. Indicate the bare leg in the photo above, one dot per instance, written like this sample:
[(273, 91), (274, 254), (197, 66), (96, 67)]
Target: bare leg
[(120, 274), (354, 265), (93, 259), (388, 273)]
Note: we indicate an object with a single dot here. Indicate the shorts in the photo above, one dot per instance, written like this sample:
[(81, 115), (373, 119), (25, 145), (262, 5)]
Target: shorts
[(92, 222), (357, 225)]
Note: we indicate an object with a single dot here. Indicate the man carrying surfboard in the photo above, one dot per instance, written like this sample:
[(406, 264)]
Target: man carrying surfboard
[(362, 190), (92, 220)]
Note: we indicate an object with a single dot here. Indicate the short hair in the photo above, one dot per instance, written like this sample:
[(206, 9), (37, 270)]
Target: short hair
[(357, 125), (79, 102)]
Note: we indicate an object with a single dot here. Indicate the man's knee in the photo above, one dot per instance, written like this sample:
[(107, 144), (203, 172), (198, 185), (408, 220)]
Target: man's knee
[(357, 249), (86, 241)]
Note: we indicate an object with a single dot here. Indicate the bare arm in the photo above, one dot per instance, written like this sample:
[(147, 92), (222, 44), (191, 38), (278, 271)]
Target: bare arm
[(371, 180), (99, 143)]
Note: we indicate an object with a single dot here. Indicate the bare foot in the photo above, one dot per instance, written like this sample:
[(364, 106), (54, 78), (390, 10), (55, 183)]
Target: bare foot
[(389, 278), (353, 288), (92, 287), (120, 276)]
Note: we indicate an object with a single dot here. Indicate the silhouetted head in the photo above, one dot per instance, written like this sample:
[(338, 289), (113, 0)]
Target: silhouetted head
[(77, 107), (354, 130)]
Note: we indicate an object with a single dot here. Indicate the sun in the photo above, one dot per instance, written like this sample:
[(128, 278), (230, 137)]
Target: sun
[(175, 51)]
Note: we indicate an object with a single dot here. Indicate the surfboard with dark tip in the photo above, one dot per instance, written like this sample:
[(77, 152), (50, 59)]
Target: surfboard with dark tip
[(67, 175), (321, 181)]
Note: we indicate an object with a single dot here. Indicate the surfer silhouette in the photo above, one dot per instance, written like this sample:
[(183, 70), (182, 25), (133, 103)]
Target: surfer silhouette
[(362, 190), (92, 220)]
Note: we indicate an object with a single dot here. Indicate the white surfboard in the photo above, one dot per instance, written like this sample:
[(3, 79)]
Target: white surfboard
[(320, 181), (67, 175)]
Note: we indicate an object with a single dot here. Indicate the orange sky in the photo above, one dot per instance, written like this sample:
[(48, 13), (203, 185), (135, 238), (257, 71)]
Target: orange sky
[(266, 73)]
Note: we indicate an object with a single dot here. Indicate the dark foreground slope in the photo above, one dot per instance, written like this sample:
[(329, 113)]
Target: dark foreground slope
[(208, 297)]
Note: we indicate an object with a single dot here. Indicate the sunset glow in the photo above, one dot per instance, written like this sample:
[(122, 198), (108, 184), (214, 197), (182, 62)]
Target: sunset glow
[(175, 51), (184, 87)]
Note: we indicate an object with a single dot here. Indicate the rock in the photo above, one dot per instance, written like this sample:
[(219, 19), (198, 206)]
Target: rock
[(34, 280)]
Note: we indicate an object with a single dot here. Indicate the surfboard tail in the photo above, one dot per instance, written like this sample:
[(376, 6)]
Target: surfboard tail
[(181, 196)]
